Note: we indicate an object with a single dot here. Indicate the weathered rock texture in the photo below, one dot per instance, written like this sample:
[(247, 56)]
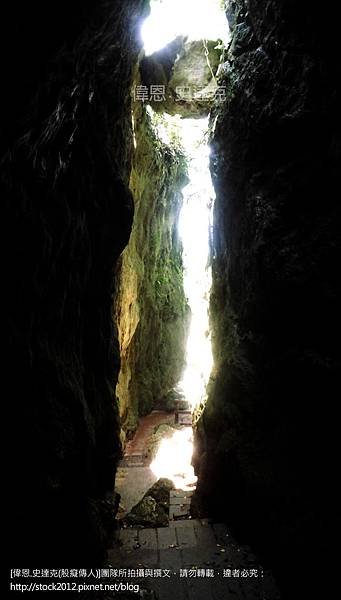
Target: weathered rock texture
[(269, 435), (153, 508), (150, 307), (67, 138), (186, 70)]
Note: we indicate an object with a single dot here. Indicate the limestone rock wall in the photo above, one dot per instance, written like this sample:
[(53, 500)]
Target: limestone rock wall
[(268, 439), (150, 307), (66, 159)]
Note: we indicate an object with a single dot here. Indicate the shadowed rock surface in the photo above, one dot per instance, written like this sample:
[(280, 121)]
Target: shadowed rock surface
[(269, 434), (67, 138), (152, 510)]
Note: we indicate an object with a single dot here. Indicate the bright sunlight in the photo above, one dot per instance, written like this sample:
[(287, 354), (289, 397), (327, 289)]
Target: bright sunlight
[(173, 459), (197, 19), (195, 224)]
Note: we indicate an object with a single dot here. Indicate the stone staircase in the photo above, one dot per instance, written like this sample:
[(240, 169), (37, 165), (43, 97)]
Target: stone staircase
[(192, 559)]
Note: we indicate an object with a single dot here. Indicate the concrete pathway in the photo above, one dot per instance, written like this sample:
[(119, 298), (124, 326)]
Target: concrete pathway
[(190, 560)]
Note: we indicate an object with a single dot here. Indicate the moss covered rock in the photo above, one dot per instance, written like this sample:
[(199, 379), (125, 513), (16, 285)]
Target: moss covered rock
[(151, 309), (152, 510), (160, 491)]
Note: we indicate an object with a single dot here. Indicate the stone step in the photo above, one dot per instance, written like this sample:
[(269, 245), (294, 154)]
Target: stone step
[(178, 511), (132, 460), (180, 494), (180, 501), (184, 418)]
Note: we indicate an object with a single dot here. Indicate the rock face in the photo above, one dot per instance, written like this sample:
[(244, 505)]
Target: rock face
[(153, 509), (67, 138), (187, 71), (151, 309), (268, 439)]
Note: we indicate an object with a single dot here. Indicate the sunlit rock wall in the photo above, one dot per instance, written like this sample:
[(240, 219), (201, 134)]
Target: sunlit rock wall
[(186, 71), (68, 212), (150, 307), (268, 450)]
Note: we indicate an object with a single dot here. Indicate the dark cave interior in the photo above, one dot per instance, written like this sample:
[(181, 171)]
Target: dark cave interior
[(267, 443)]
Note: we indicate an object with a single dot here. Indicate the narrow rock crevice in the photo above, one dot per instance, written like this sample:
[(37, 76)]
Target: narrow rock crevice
[(96, 314)]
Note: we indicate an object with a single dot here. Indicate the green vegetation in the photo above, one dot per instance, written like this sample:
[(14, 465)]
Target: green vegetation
[(151, 290)]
